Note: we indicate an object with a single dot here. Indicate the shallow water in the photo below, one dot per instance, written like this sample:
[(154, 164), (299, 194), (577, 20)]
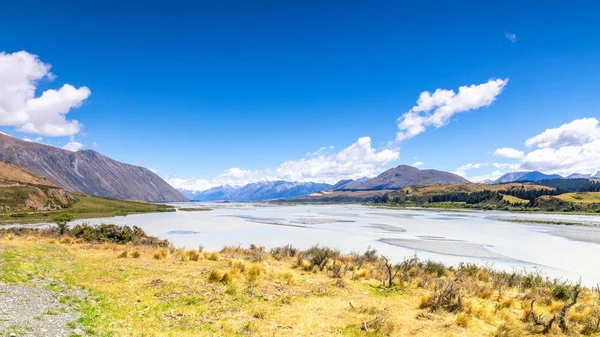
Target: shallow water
[(568, 252)]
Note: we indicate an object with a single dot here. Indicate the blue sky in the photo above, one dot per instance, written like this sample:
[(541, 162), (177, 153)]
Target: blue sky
[(194, 89)]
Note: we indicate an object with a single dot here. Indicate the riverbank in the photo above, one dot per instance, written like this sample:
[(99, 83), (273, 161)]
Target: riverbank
[(86, 207), (142, 290)]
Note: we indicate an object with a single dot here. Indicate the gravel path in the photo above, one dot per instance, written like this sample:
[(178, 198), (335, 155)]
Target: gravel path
[(36, 311)]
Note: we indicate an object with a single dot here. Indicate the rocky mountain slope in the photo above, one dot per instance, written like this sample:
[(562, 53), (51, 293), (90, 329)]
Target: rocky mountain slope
[(403, 176), (265, 190), (87, 172)]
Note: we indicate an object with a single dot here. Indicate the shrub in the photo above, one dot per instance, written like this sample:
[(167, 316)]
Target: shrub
[(318, 256), (256, 254), (116, 234), (447, 296), (561, 292), (435, 268), (282, 252)]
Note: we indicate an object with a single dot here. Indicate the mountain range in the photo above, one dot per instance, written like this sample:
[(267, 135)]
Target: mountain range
[(389, 180), (265, 190), (87, 171)]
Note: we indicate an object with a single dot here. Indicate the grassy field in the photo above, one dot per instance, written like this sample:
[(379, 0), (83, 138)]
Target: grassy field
[(143, 291), (583, 198), (514, 200), (86, 207)]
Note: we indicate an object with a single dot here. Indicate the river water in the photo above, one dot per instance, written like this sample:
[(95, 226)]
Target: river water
[(569, 252)]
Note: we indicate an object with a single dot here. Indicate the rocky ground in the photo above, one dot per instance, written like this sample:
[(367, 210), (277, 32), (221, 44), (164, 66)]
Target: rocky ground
[(40, 308)]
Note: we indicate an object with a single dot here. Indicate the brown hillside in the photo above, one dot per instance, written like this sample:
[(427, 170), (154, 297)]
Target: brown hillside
[(13, 173), (437, 189)]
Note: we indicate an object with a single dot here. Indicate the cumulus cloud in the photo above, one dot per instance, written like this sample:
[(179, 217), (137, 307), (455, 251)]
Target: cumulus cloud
[(507, 152), (575, 133), (462, 170), (417, 164), (436, 109), (45, 115), (512, 37), (573, 147), (73, 146), (356, 161)]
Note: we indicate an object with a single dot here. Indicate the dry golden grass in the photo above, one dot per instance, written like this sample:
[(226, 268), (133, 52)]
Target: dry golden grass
[(230, 296)]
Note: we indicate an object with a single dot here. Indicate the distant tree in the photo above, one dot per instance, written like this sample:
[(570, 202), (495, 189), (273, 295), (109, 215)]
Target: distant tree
[(62, 220)]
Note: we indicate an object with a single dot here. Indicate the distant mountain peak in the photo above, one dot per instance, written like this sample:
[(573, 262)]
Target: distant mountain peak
[(402, 176), (526, 176)]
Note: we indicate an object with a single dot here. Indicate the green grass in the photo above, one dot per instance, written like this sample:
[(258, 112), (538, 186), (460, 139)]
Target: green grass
[(87, 207), (581, 197), (514, 200)]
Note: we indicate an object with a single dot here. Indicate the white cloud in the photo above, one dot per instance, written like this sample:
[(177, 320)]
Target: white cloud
[(436, 109), (356, 161), (507, 166), (570, 148), (577, 132), (512, 37), (155, 171), (507, 152), (45, 115), (417, 164), (34, 140), (462, 170), (73, 146)]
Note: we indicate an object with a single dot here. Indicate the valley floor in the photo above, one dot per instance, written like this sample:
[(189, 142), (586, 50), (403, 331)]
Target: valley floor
[(145, 291)]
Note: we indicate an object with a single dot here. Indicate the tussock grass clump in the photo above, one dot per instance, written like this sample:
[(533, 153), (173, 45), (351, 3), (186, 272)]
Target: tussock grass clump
[(193, 255), (124, 254), (215, 276), (254, 272), (214, 256), (462, 319), (136, 254), (508, 328), (52, 241), (239, 265), (67, 240), (288, 277), (162, 254)]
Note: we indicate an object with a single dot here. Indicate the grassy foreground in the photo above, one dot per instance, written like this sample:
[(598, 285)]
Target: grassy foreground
[(86, 207), (140, 290)]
